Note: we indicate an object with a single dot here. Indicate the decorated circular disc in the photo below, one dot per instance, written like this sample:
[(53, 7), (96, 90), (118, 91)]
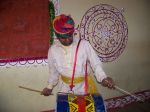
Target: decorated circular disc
[(106, 29)]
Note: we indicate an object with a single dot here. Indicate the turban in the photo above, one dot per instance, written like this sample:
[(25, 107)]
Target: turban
[(63, 26)]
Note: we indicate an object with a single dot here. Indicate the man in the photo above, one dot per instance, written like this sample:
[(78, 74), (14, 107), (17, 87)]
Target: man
[(61, 60)]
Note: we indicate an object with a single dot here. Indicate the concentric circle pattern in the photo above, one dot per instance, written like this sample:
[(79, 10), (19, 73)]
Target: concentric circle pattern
[(105, 28)]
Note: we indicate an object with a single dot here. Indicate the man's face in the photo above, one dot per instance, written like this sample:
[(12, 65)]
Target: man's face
[(66, 41)]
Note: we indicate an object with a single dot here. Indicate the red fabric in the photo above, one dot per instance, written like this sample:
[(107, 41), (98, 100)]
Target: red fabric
[(24, 28), (74, 66), (61, 24), (81, 104), (86, 79)]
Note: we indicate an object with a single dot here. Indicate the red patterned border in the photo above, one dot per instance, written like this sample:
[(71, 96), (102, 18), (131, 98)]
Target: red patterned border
[(123, 101)]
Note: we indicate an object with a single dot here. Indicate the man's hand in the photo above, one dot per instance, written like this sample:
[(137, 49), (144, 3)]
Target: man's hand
[(108, 82), (46, 92)]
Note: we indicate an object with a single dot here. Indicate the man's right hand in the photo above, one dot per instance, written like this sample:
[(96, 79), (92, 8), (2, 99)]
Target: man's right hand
[(108, 82), (46, 92)]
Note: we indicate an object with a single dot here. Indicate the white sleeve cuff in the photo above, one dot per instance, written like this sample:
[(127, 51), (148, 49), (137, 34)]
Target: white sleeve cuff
[(101, 76), (50, 86)]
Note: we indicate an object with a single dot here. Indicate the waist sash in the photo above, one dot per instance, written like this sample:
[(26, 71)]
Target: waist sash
[(68, 80), (91, 88)]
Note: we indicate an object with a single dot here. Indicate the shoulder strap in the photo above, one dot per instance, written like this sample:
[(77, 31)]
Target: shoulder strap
[(86, 79), (74, 67)]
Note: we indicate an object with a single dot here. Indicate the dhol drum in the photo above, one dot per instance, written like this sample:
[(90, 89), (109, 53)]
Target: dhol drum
[(80, 103)]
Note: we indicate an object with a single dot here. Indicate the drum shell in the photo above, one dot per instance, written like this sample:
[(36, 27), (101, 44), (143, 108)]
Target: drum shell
[(63, 103)]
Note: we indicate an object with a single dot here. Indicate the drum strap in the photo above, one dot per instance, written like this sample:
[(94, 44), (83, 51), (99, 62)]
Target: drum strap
[(74, 67)]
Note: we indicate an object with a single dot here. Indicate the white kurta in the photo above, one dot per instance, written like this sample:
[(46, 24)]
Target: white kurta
[(61, 60)]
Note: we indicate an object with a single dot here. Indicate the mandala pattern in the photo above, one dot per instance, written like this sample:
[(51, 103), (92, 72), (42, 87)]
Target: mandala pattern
[(106, 29)]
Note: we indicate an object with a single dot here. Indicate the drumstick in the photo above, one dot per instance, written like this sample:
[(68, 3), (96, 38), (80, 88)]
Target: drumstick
[(34, 90), (139, 99), (128, 93)]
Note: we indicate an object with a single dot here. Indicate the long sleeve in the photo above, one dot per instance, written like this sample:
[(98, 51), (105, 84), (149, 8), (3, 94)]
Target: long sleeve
[(54, 75), (95, 63), (60, 62)]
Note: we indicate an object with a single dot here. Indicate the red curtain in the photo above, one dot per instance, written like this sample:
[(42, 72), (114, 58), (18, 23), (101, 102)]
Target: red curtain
[(24, 29)]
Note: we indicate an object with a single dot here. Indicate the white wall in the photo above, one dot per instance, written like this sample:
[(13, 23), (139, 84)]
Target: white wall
[(130, 70)]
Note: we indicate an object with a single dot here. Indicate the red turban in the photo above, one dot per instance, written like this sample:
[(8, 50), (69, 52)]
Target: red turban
[(63, 25)]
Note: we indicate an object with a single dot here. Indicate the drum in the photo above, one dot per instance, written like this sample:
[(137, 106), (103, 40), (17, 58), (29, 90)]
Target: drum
[(80, 103)]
